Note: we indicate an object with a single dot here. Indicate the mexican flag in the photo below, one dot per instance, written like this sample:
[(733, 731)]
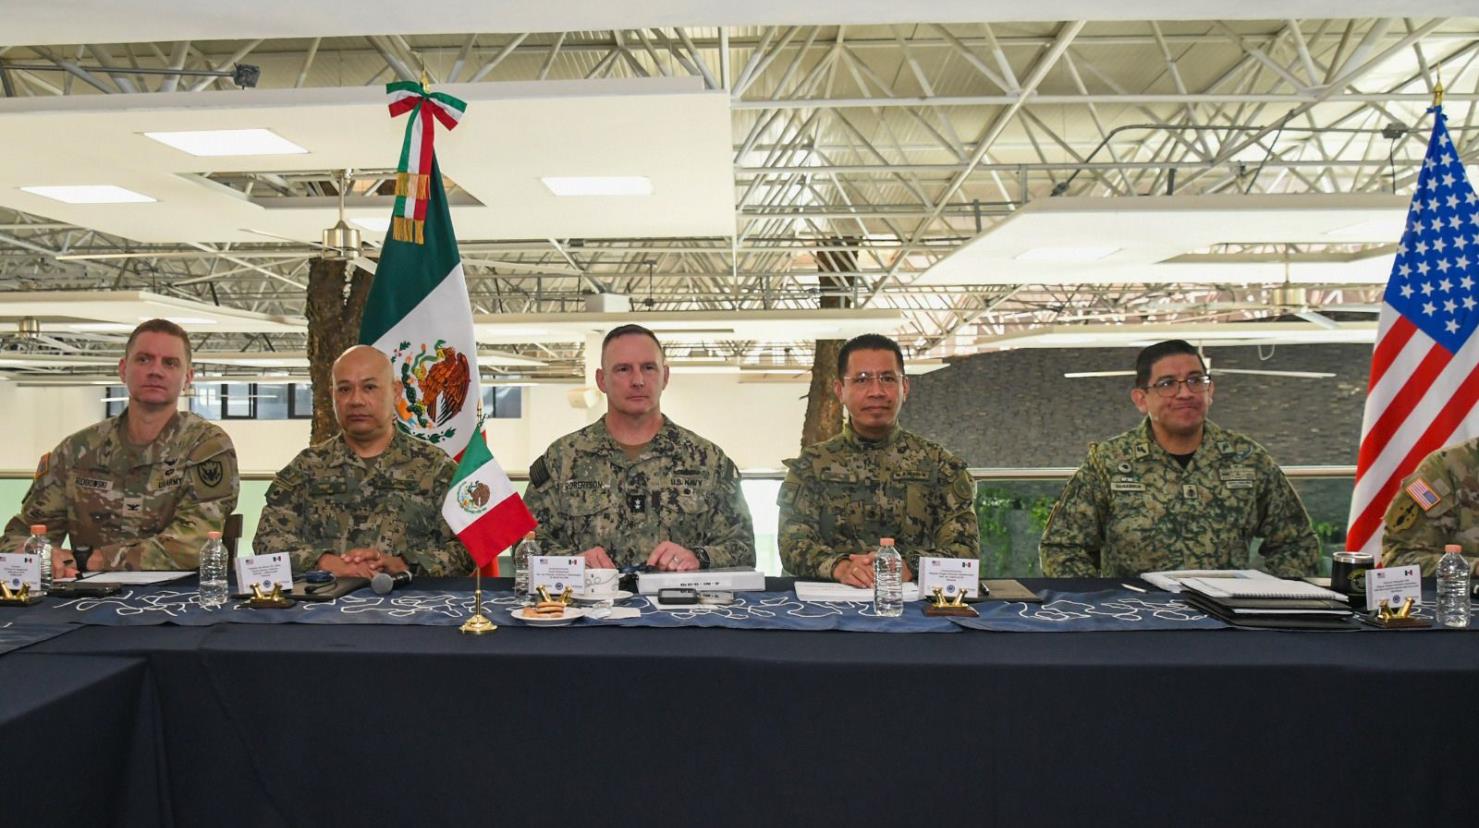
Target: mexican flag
[(418, 312), (483, 508)]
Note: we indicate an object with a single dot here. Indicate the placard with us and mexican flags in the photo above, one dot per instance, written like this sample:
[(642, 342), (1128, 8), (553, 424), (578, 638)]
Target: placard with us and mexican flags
[(418, 314)]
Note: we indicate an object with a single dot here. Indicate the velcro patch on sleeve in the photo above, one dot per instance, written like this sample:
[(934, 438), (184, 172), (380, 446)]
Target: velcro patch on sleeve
[(1423, 494)]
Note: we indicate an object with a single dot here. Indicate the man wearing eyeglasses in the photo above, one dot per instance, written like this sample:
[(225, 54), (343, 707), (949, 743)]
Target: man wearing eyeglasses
[(1177, 491), (874, 480), (634, 488)]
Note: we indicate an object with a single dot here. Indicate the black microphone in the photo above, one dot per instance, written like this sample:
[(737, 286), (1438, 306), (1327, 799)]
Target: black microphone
[(384, 582)]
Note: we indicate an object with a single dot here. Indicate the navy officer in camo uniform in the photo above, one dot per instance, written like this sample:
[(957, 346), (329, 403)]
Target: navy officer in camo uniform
[(1176, 491), (874, 480), (634, 487), (139, 490)]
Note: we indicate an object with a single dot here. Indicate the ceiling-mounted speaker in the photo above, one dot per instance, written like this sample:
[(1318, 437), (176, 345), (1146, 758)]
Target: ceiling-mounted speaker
[(584, 397)]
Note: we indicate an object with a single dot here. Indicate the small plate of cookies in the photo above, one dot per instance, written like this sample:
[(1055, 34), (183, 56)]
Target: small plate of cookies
[(548, 614)]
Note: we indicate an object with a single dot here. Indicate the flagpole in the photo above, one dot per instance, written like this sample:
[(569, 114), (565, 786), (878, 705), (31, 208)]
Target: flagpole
[(478, 624)]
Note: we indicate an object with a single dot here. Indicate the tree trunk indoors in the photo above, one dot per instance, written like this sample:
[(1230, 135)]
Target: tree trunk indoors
[(336, 301)]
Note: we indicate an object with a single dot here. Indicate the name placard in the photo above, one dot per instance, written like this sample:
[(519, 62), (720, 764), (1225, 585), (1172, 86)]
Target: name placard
[(17, 569), (265, 571), (555, 573), (952, 575), (1394, 584)]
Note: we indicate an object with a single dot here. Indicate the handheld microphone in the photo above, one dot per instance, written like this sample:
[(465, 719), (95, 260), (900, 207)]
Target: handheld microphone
[(384, 582)]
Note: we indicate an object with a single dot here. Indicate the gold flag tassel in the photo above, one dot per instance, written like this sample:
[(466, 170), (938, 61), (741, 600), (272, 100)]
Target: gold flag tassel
[(408, 230)]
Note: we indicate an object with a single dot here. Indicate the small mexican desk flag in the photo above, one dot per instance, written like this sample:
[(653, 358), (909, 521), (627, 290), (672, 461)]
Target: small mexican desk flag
[(419, 315), (482, 506)]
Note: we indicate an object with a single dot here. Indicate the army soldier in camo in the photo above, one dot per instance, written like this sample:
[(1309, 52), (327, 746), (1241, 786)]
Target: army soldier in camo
[(1445, 510), (370, 499), (874, 480), (141, 489), (1177, 491), (633, 487)]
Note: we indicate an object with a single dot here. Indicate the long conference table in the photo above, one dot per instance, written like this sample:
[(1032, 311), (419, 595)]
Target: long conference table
[(299, 724)]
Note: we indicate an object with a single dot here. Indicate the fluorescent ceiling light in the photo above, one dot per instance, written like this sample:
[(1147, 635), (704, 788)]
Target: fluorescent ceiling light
[(1067, 254), (218, 142), (90, 194), (599, 185), (378, 224), (100, 326)]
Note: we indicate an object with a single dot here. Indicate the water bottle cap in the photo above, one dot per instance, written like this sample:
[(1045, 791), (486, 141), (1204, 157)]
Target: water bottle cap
[(885, 541), (38, 528), (213, 535), (1452, 547)]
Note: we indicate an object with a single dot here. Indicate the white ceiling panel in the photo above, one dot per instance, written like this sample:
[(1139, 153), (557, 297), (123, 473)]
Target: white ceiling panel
[(689, 326), (108, 21), (70, 311), (1202, 334), (1136, 239), (667, 129)]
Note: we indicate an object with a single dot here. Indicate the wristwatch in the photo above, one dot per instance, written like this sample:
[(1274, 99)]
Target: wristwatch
[(702, 553)]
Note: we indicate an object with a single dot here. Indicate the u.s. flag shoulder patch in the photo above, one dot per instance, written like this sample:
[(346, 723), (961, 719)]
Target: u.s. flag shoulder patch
[(1422, 494)]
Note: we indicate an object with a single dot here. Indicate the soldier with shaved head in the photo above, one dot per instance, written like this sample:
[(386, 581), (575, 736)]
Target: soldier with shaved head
[(370, 499)]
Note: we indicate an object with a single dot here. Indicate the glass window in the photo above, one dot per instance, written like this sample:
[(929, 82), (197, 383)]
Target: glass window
[(300, 403), (206, 401), (238, 401), (272, 401), (503, 402), (508, 402), (115, 400)]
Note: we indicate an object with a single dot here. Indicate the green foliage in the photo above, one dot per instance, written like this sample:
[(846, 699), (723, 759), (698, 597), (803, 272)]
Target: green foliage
[(1010, 523)]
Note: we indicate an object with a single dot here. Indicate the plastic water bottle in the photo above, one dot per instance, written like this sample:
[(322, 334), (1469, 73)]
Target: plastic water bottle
[(888, 580), (526, 548), (40, 546), (1453, 588), (213, 572)]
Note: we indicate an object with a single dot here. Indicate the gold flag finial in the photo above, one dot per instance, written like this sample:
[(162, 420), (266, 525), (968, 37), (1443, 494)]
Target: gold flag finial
[(1438, 93), (425, 80)]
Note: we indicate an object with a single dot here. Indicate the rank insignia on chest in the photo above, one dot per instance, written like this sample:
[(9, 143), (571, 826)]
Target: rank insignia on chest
[(637, 503), (1189, 491), (133, 506)]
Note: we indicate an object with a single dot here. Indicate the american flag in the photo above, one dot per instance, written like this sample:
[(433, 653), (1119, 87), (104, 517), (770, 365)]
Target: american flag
[(1425, 369)]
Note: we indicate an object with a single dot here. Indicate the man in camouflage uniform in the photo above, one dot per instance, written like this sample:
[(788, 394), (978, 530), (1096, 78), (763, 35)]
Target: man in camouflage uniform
[(370, 499), (142, 489), (874, 480), (1177, 491), (633, 487), (1438, 505)]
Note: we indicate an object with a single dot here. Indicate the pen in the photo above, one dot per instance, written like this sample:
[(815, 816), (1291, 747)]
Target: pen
[(1132, 588)]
